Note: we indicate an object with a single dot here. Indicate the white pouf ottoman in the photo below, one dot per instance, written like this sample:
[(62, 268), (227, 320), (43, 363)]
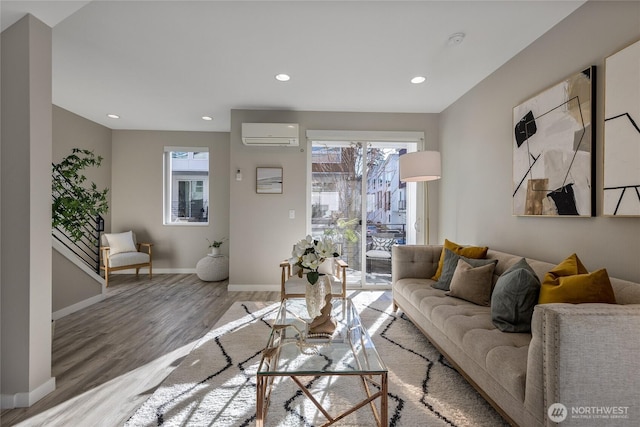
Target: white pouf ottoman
[(213, 268)]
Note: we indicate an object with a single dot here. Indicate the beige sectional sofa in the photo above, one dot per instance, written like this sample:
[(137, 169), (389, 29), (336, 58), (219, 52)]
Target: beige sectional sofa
[(583, 356)]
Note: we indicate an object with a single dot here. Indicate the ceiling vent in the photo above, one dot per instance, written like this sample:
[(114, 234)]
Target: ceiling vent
[(270, 134)]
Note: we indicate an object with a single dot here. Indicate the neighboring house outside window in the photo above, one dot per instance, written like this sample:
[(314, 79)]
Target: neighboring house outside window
[(186, 185)]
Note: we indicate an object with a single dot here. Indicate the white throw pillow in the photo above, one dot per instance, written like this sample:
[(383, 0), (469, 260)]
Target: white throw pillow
[(120, 242)]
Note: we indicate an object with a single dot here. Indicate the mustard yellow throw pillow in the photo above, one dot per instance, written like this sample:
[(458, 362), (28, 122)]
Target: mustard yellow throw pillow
[(475, 252), (570, 282)]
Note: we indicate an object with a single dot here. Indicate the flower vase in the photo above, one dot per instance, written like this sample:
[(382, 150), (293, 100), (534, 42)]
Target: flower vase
[(214, 251), (315, 295)]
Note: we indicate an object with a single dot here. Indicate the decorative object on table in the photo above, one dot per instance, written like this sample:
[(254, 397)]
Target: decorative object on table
[(553, 135), (214, 247), (269, 180), (315, 295), (308, 256), (622, 133), (213, 268), (323, 324)]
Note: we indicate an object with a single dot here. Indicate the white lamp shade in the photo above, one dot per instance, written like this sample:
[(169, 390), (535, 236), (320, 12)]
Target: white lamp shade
[(420, 166)]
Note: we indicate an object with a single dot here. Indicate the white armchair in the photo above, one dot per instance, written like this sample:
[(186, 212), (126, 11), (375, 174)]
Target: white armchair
[(120, 251)]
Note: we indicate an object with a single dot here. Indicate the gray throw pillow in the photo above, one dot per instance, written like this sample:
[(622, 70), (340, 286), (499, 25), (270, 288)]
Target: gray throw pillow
[(472, 284), (514, 298), (449, 267)]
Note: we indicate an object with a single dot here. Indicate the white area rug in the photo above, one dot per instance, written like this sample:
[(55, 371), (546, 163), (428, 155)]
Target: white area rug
[(215, 384)]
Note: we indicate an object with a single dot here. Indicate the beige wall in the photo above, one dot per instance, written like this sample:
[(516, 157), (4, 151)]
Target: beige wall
[(72, 131), (70, 284), (476, 141), (262, 234), (137, 191), (25, 282)]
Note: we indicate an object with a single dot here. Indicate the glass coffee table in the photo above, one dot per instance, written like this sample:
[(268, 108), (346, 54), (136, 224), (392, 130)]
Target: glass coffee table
[(293, 352)]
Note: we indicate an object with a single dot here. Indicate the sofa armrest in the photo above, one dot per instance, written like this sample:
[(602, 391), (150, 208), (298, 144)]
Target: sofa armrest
[(585, 356), (414, 261)]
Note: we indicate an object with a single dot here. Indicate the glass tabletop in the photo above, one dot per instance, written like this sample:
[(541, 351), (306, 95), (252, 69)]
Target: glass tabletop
[(292, 350)]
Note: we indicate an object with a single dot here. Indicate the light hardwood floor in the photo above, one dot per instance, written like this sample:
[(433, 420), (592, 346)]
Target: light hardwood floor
[(108, 358)]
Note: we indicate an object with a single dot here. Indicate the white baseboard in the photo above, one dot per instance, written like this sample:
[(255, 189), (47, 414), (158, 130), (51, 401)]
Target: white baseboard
[(252, 288), (155, 271), (77, 306), (26, 399), (175, 270)]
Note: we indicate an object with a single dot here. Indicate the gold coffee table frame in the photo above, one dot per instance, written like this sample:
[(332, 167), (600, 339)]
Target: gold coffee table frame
[(291, 352)]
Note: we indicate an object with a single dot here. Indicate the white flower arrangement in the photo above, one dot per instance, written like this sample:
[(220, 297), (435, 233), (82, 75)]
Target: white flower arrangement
[(309, 253)]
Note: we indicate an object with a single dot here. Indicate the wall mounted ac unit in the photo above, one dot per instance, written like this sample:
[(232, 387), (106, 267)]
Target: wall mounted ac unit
[(270, 134)]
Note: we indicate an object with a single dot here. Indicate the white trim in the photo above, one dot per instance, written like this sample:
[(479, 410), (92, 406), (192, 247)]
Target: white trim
[(253, 288), (26, 399), (145, 271), (368, 136), (77, 306), (174, 270), (186, 149)]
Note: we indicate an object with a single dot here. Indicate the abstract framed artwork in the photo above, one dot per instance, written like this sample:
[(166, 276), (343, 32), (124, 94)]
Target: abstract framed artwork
[(269, 180), (621, 169), (553, 161)]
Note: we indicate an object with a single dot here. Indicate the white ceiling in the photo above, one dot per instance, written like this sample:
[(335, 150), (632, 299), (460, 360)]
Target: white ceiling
[(164, 64)]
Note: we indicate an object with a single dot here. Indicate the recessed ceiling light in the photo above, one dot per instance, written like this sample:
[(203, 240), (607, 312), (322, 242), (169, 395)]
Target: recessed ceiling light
[(113, 116), (207, 118), (283, 77), (418, 79), (456, 38)]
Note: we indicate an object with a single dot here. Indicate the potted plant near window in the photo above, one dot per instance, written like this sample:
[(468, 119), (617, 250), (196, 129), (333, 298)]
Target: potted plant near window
[(214, 247)]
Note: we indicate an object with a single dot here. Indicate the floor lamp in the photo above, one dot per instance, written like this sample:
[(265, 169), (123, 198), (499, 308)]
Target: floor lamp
[(421, 166)]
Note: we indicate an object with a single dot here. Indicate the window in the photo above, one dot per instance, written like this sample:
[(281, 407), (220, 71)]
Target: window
[(324, 154), (186, 185)]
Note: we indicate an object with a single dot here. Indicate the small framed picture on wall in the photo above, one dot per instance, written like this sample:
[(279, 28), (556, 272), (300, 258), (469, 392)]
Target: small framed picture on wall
[(269, 180)]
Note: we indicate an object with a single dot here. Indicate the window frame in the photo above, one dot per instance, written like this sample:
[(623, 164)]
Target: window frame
[(168, 184)]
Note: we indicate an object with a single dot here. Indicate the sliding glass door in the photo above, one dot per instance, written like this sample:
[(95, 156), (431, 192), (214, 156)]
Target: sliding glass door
[(357, 197)]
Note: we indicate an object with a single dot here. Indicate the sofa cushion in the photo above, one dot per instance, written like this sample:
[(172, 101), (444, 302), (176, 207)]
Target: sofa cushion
[(570, 282), (382, 243), (451, 263), (120, 242), (514, 298), (128, 258), (472, 284), (475, 252), (581, 288)]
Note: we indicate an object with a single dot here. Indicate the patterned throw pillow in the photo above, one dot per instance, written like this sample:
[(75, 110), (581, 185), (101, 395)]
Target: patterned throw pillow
[(381, 243)]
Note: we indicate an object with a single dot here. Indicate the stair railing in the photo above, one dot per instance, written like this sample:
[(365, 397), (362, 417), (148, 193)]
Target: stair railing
[(85, 241)]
